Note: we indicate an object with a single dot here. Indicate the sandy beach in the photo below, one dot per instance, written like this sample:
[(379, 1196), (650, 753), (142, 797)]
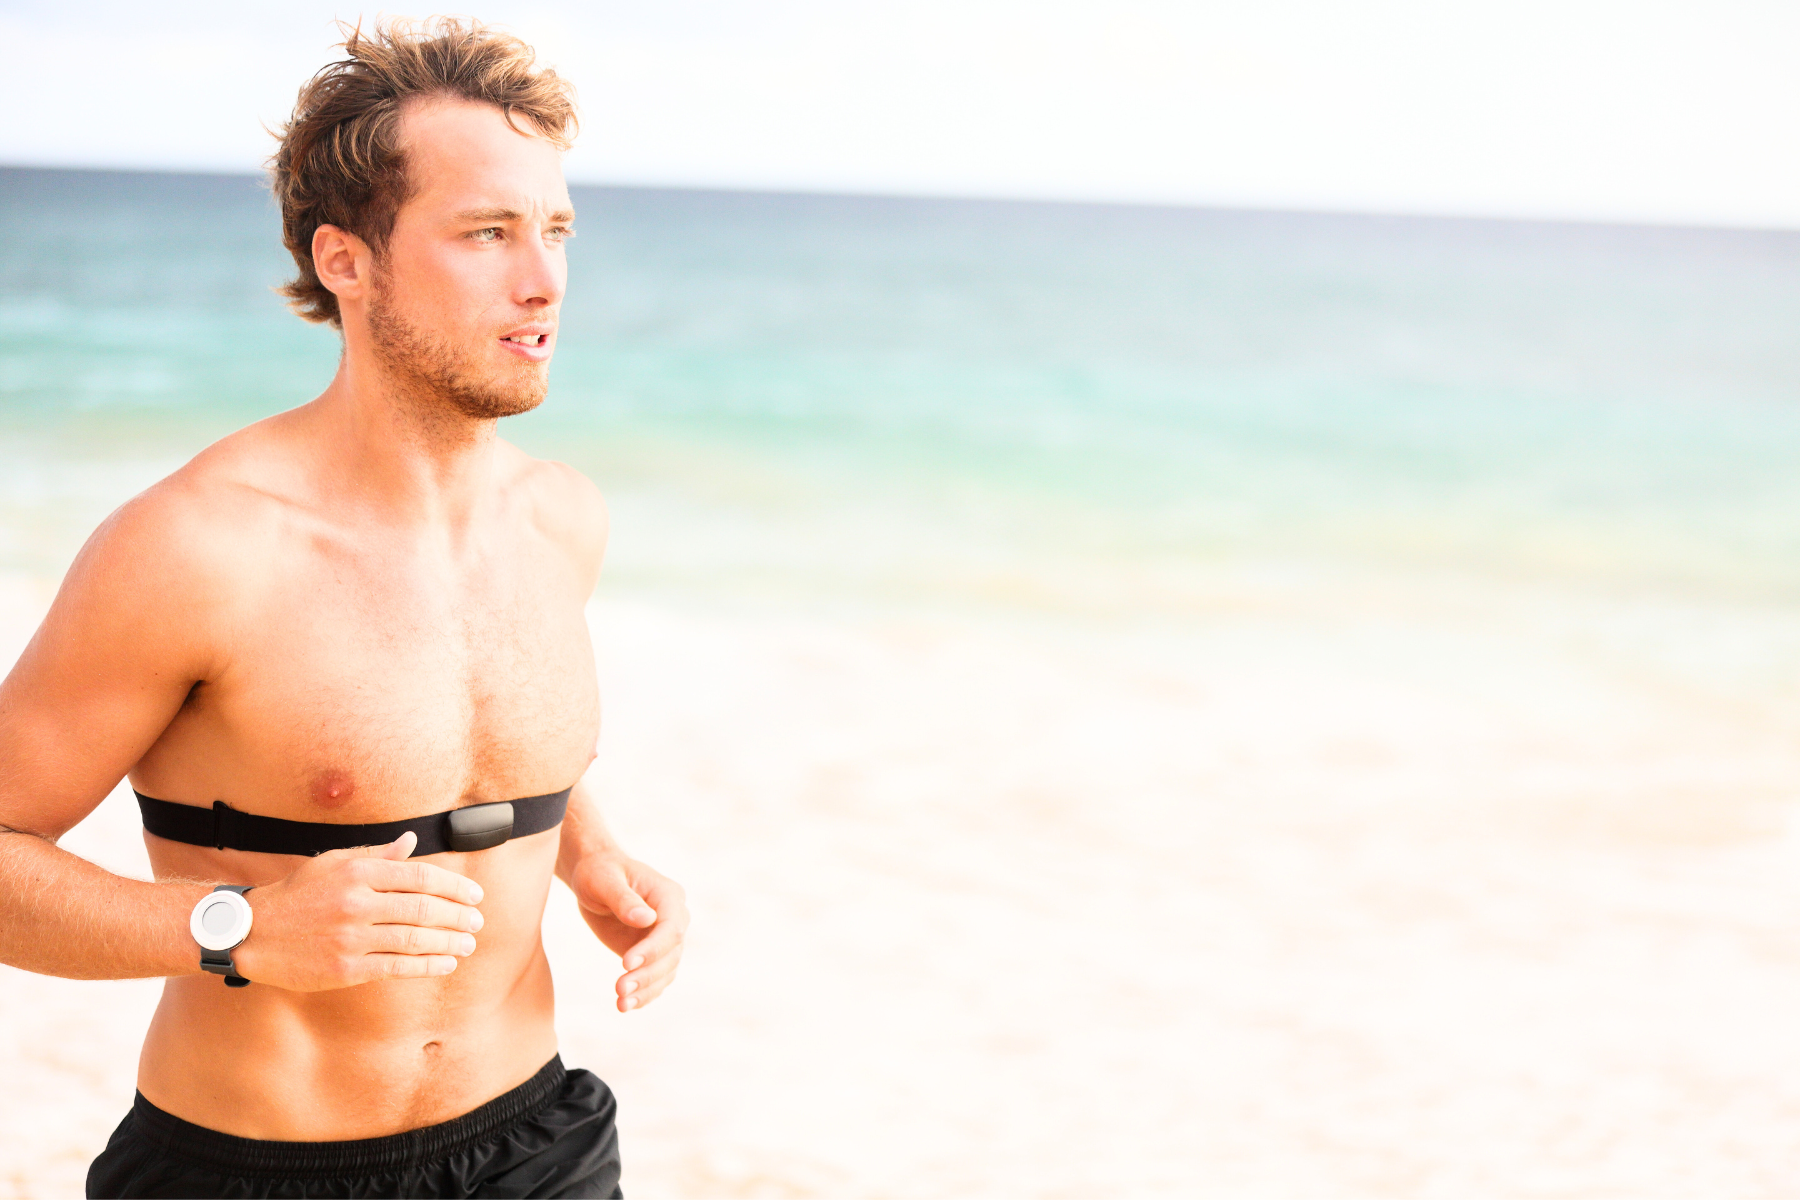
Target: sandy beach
[(1330, 894)]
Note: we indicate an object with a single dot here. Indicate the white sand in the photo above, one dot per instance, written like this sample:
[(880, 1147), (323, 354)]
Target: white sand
[(1333, 891)]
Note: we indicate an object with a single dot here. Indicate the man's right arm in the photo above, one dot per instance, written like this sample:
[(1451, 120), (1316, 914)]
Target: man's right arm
[(135, 626)]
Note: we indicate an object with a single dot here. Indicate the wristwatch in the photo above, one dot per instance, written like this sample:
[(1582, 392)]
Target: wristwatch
[(220, 923)]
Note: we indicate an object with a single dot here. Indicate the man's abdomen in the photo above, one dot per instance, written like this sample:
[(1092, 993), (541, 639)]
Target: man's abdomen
[(368, 1061)]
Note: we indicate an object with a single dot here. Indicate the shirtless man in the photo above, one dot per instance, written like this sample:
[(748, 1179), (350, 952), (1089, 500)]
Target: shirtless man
[(368, 609)]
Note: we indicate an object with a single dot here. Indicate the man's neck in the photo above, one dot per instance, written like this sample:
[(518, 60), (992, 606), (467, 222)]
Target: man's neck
[(414, 458)]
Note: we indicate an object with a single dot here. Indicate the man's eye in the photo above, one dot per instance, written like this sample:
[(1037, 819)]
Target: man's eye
[(559, 233), (486, 235)]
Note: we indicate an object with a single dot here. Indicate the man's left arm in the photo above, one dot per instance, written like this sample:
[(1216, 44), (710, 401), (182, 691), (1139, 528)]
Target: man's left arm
[(639, 913)]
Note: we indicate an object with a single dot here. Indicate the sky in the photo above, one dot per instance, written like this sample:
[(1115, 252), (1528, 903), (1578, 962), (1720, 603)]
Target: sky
[(1644, 112)]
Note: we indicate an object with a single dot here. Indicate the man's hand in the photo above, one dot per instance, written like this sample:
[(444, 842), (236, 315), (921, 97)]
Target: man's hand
[(640, 914), (352, 916)]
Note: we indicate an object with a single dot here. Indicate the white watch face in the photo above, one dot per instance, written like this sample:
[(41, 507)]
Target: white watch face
[(220, 921)]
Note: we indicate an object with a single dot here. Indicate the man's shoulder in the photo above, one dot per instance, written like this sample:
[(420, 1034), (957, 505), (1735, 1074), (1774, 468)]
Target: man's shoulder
[(211, 516), (170, 568), (564, 504)]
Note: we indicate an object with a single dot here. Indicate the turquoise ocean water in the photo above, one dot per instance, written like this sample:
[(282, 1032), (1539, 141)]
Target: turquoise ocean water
[(940, 401)]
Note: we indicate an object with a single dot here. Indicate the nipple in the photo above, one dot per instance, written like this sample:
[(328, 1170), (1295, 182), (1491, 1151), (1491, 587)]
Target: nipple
[(333, 789)]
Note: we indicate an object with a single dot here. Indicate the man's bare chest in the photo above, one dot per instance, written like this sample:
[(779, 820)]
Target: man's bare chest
[(367, 691)]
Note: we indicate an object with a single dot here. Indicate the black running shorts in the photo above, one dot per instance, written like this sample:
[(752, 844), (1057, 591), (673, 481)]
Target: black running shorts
[(553, 1135)]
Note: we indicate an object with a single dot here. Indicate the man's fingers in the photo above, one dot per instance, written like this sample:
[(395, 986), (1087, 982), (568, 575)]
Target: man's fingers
[(639, 999), (428, 878), (613, 891), (635, 992), (406, 966), (414, 940), (656, 943), (668, 899), (654, 966), (418, 908), (630, 908), (400, 847), (648, 981), (670, 921), (668, 932)]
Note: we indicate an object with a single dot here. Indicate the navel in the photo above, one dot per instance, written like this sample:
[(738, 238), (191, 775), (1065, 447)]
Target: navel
[(332, 789)]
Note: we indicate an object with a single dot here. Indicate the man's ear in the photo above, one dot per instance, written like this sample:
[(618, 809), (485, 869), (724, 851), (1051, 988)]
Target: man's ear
[(343, 262)]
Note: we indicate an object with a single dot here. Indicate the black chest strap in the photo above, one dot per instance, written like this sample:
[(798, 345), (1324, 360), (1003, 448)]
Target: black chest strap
[(475, 827)]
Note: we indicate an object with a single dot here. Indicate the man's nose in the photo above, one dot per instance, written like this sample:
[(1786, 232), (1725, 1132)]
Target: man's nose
[(542, 274)]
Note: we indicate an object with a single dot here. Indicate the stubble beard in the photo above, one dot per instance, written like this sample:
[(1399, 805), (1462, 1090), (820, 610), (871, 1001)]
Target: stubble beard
[(440, 379)]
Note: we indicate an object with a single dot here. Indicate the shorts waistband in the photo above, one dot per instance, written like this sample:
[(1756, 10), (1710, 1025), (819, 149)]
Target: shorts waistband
[(366, 1156)]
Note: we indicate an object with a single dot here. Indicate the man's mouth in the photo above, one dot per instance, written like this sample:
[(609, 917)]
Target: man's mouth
[(526, 339)]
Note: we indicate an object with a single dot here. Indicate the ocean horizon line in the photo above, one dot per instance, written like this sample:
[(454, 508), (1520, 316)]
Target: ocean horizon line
[(1123, 204)]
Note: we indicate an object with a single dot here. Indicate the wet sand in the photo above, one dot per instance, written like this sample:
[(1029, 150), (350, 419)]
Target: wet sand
[(1353, 895)]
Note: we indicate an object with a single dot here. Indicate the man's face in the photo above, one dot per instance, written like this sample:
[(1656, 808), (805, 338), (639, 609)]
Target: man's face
[(464, 301)]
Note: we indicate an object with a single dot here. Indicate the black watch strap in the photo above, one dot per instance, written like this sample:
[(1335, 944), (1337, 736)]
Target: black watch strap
[(219, 961)]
